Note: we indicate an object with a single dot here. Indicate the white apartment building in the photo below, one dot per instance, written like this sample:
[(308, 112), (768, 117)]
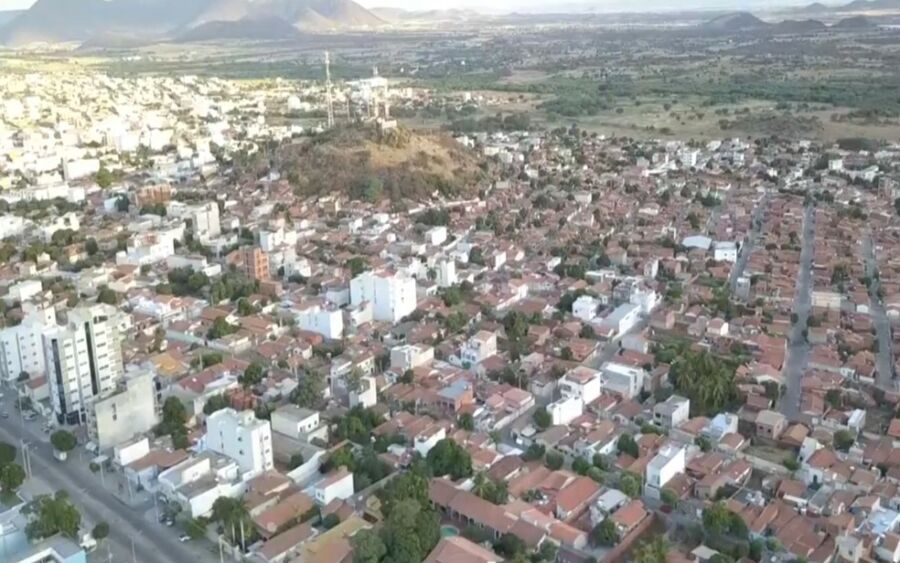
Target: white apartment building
[(446, 273), (243, 438), (623, 379), (204, 220), (21, 347), (336, 485), (148, 248), (127, 412), (392, 294), (324, 320), (581, 382), (665, 465), (83, 359)]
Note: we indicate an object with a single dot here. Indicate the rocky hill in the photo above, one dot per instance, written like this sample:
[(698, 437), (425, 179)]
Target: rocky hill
[(363, 164), (58, 21), (735, 22)]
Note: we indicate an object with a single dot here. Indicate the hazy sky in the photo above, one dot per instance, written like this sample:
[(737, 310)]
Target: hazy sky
[(537, 5)]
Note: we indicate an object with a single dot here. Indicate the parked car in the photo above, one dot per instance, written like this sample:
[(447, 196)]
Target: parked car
[(184, 538)]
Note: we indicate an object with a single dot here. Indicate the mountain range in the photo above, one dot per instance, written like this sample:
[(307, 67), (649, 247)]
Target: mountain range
[(743, 22), (856, 6), (59, 21)]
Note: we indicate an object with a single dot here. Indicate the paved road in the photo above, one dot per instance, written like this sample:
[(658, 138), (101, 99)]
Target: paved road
[(153, 542), (752, 239), (798, 348), (885, 357)]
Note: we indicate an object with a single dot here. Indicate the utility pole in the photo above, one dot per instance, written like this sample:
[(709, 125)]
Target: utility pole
[(328, 100), (133, 554)]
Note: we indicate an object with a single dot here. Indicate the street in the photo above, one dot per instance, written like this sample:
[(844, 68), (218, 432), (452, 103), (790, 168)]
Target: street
[(798, 347), (133, 537), (884, 359), (752, 238)]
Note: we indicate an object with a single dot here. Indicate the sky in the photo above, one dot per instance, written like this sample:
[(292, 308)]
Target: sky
[(537, 5)]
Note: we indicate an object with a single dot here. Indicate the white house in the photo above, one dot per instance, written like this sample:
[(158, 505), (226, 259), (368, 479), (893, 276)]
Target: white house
[(293, 421), (665, 465), (411, 356), (336, 485), (565, 410), (623, 379), (478, 348), (673, 412), (585, 308), (621, 320), (582, 382), (725, 251)]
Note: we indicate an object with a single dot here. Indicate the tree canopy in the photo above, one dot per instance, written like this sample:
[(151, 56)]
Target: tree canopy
[(50, 515)]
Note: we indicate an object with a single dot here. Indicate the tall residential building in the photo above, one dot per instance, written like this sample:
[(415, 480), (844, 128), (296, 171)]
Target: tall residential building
[(205, 221), (242, 437), (392, 294), (21, 346), (83, 360), (256, 263)]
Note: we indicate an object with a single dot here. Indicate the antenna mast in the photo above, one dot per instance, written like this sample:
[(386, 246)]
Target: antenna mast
[(328, 100)]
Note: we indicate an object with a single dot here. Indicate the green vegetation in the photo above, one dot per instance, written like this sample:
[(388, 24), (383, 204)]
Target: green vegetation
[(49, 515), (449, 458), (704, 379), (63, 441), (174, 419)]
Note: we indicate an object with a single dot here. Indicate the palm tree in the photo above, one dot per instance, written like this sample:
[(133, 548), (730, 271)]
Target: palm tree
[(480, 484)]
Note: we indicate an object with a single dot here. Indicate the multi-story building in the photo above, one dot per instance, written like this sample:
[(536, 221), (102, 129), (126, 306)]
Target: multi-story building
[(83, 360), (128, 411), (256, 263), (204, 220), (242, 437), (392, 294), (668, 463), (21, 347)]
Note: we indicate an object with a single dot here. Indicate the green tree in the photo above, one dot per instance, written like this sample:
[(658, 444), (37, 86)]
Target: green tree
[(50, 515), (214, 404), (310, 390), (357, 265), (844, 440), (107, 296), (7, 453), (630, 485), (791, 464), (104, 178), (716, 519), (63, 441), (605, 533), (704, 379), (367, 547), (252, 376), (653, 551), (449, 458), (542, 418), (554, 460), (11, 478), (669, 497), (100, 531), (466, 421), (580, 465), (627, 445), (221, 328)]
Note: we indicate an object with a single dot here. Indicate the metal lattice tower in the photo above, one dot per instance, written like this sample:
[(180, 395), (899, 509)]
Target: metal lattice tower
[(328, 99)]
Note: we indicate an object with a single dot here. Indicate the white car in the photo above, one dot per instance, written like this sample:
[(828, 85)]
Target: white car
[(184, 537)]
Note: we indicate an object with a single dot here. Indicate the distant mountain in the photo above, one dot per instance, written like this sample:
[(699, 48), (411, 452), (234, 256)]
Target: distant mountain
[(814, 8), (9, 15), (870, 6), (799, 26), (56, 21), (735, 22), (854, 24), (400, 15), (262, 29)]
